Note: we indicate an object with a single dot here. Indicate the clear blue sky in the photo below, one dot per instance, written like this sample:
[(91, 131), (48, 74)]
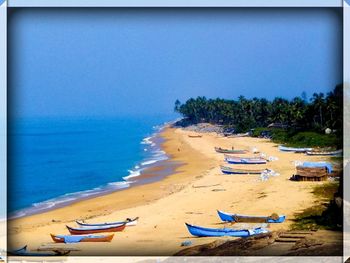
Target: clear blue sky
[(110, 62)]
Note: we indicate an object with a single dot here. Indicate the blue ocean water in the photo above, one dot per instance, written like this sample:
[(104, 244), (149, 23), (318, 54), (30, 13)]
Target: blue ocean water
[(56, 161)]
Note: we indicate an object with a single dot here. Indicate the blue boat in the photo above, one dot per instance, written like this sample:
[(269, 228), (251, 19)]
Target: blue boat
[(220, 232), (226, 217), (293, 149), (248, 160)]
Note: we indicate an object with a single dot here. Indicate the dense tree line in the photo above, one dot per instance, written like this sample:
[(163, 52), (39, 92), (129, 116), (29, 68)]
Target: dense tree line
[(318, 113)]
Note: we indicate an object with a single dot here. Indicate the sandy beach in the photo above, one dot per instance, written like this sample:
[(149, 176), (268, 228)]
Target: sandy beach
[(192, 194)]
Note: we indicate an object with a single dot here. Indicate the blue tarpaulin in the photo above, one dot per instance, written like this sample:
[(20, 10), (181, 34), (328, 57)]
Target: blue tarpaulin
[(76, 238), (319, 164)]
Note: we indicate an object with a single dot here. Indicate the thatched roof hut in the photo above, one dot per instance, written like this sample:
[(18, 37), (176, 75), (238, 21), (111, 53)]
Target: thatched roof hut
[(310, 174)]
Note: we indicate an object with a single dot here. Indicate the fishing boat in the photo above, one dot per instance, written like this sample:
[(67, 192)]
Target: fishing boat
[(221, 150), (195, 136), (237, 135), (229, 170), (248, 160), (294, 149), (81, 238), (226, 217), (219, 232), (24, 252), (325, 153), (127, 222), (95, 229)]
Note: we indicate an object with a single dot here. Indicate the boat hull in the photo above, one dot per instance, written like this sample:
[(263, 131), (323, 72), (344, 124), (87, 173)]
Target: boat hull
[(292, 149), (226, 151), (331, 153), (106, 238), (214, 232), (237, 160), (228, 170), (226, 217), (131, 222), (93, 230)]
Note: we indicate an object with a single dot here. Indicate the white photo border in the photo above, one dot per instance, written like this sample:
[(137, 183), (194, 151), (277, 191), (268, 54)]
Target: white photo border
[(5, 4)]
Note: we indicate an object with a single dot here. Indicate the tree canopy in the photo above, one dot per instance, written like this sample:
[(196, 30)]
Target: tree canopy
[(318, 113)]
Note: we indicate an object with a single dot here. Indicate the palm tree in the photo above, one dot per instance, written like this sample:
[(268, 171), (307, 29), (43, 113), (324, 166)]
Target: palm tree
[(318, 103)]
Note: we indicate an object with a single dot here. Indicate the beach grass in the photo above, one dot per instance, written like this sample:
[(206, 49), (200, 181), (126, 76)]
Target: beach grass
[(324, 214)]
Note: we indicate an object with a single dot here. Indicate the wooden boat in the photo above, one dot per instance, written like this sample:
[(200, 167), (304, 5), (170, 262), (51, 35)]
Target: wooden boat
[(127, 222), (325, 153), (248, 160), (229, 170), (95, 229), (24, 252), (195, 136), (293, 149), (219, 232), (226, 217), (81, 238), (221, 150)]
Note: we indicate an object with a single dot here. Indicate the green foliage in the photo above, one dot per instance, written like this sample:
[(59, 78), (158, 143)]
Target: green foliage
[(244, 114), (293, 138), (259, 130), (308, 139), (313, 139), (326, 191)]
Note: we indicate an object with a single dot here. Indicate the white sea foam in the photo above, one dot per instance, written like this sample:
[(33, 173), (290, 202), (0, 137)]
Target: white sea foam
[(120, 185), (147, 140), (68, 198), (133, 173), (159, 153), (156, 155), (17, 214), (149, 162), (156, 159)]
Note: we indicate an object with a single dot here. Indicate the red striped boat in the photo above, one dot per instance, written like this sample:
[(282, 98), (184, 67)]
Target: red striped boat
[(92, 238), (95, 229)]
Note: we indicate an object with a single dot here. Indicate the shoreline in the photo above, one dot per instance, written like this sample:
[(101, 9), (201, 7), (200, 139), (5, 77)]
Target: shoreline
[(192, 194), (152, 172), (104, 204)]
